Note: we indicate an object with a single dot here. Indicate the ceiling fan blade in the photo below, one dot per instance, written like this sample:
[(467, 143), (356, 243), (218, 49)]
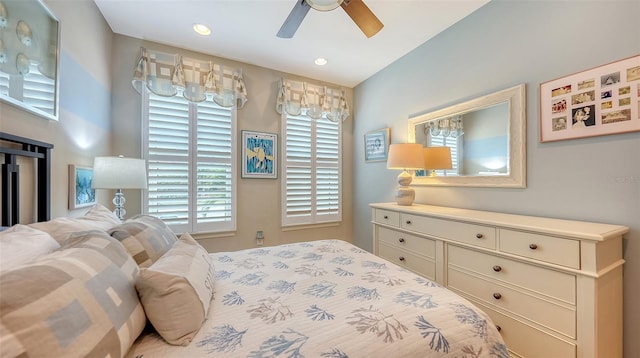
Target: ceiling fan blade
[(293, 21), (360, 13)]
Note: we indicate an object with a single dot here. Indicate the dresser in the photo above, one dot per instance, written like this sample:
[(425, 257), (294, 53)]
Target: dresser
[(552, 287)]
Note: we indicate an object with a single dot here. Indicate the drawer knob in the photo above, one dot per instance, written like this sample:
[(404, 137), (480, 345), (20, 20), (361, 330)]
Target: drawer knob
[(408, 222), (533, 246), (497, 296), (498, 328), (386, 217), (401, 258), (401, 239), (497, 268), (479, 236)]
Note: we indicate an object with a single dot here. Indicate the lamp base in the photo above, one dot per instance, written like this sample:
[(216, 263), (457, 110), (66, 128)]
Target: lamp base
[(118, 201), (405, 195)]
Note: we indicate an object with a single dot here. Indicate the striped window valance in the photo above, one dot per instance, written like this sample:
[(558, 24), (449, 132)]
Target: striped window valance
[(302, 98), (173, 75)]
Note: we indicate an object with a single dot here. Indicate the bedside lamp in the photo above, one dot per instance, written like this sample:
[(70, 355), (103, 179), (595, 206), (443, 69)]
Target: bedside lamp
[(437, 158), (405, 156), (119, 173)]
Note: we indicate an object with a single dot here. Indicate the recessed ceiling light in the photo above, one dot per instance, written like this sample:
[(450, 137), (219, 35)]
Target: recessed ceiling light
[(320, 61), (202, 29)]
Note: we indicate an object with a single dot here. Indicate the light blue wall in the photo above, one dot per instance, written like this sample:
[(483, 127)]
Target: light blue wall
[(503, 44), (78, 83)]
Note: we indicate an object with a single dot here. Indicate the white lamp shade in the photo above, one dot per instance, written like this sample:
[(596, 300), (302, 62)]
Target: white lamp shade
[(119, 173), (437, 158), (405, 156)]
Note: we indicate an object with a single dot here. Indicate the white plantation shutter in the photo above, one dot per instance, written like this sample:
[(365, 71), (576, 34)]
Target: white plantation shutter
[(33, 89), (191, 170), (311, 185), (214, 168), (39, 91), (4, 83), (167, 149), (453, 143)]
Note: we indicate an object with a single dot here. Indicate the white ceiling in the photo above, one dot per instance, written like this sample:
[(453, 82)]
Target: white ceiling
[(245, 31)]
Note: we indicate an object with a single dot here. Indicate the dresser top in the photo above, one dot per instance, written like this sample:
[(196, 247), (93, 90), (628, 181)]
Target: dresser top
[(558, 227)]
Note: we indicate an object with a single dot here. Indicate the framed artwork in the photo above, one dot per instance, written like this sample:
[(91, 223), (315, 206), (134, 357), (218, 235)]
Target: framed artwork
[(259, 155), (81, 193), (29, 56), (376, 145), (600, 101)]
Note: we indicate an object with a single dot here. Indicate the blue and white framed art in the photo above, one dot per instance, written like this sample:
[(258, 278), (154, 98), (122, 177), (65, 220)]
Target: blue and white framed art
[(376, 145), (81, 193), (259, 155)]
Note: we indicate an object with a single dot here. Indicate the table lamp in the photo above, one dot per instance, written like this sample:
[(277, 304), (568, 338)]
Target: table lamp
[(405, 156), (119, 173), (437, 158)]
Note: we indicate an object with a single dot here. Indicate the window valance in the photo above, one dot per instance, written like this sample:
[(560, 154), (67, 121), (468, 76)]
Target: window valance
[(302, 98), (171, 75)]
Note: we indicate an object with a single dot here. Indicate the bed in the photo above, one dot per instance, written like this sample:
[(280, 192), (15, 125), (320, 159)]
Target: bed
[(137, 285), (13, 147), (329, 298)]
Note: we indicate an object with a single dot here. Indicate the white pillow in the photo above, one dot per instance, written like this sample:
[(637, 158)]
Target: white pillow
[(21, 244), (97, 218), (101, 216), (176, 291)]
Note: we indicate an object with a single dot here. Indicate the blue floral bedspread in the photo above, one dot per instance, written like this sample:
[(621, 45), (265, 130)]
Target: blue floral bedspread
[(329, 298)]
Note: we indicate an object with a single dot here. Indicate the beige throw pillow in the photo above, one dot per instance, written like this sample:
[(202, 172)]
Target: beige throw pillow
[(176, 291)]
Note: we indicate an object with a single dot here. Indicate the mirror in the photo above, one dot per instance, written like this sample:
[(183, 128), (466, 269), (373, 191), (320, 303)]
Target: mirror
[(487, 137)]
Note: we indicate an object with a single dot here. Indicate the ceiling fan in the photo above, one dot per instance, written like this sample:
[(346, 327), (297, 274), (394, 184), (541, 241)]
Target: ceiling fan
[(356, 9)]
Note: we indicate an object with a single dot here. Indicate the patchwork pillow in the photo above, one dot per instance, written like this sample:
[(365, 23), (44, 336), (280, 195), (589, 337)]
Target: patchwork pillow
[(21, 244), (145, 237), (176, 291), (78, 302), (97, 218)]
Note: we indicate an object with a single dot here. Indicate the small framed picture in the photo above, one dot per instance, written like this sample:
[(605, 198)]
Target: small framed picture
[(81, 193), (376, 145), (259, 155)]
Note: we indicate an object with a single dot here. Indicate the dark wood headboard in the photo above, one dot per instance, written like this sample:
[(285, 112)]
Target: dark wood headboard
[(11, 177)]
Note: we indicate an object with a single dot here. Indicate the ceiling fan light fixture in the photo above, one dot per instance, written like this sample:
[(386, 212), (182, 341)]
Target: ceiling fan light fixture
[(201, 29), (324, 5), (320, 61)]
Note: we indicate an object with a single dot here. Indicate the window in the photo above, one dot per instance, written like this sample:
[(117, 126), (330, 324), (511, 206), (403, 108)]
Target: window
[(189, 148), (454, 144), (312, 171)]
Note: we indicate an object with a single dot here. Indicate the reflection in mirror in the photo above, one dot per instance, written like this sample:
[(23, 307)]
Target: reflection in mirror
[(479, 140), (486, 136)]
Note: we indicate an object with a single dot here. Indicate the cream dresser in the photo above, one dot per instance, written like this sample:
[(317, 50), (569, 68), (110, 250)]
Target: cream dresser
[(553, 287)]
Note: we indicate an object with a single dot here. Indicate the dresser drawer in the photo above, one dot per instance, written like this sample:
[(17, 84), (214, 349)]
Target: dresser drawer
[(386, 217), (527, 341), (420, 265), (564, 252), (555, 316), (555, 284), (418, 245), (478, 235)]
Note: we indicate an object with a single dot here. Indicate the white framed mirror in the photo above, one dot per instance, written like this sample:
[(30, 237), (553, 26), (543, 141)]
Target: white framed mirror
[(487, 138)]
